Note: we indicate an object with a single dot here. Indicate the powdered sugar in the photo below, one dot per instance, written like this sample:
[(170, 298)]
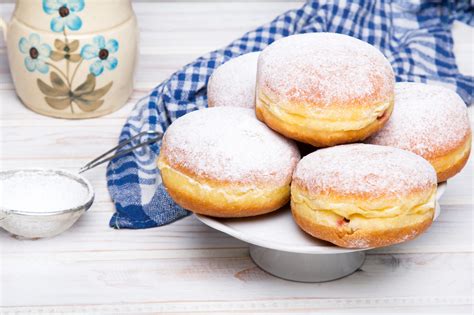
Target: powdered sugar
[(427, 120), (233, 83), (365, 169), (325, 68), (230, 144), (41, 192)]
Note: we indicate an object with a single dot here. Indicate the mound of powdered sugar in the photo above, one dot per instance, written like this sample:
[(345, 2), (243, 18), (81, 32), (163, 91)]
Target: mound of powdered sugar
[(325, 68), (428, 120), (229, 144), (41, 192), (233, 83), (365, 169)]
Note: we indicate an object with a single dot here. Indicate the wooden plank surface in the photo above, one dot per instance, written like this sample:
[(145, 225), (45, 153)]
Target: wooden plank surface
[(187, 267)]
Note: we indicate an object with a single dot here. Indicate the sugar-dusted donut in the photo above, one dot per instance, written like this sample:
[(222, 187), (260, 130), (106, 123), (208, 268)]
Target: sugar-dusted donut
[(363, 196), (324, 88), (431, 121), (233, 83), (224, 162)]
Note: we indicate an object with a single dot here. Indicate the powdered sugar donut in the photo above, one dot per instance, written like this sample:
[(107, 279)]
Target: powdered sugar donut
[(223, 162), (362, 195), (431, 121), (233, 83), (324, 88)]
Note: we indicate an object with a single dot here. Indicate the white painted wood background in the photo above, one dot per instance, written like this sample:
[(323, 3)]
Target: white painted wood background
[(187, 267)]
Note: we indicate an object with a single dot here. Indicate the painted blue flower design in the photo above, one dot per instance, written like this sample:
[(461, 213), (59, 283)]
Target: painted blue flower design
[(66, 9), (36, 52), (101, 50)]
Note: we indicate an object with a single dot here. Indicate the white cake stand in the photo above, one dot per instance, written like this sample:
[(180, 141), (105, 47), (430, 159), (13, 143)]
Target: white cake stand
[(281, 248)]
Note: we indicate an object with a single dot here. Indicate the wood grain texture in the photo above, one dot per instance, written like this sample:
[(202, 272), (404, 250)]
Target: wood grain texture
[(187, 267)]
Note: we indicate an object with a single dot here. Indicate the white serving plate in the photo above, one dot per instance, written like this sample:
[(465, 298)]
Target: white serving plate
[(281, 248)]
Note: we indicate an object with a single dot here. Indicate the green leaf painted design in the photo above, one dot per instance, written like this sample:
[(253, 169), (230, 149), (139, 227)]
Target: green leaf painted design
[(52, 91), (58, 83), (85, 96), (66, 50), (87, 87), (88, 106), (58, 103), (97, 94), (61, 92)]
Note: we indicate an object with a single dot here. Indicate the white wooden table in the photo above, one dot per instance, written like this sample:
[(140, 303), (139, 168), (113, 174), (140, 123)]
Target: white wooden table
[(187, 267)]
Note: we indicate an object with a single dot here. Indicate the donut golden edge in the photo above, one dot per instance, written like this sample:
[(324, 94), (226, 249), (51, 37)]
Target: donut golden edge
[(451, 163), (220, 199), (360, 222), (331, 126)]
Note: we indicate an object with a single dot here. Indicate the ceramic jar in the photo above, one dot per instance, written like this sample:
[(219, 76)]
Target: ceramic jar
[(72, 58)]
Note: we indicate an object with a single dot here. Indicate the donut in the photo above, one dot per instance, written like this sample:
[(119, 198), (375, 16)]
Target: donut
[(224, 162), (233, 83), (431, 121), (363, 195), (324, 89)]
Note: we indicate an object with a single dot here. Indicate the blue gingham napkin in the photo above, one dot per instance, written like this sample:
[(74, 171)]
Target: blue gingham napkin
[(414, 35)]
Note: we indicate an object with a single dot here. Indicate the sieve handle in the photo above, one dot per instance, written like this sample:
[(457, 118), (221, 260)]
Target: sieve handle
[(155, 137)]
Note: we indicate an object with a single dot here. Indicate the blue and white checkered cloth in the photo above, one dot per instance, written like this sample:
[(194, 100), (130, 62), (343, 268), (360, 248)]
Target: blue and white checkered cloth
[(414, 35)]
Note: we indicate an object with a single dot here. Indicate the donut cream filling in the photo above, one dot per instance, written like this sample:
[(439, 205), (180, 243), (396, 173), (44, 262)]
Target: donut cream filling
[(230, 194), (350, 214), (319, 122)]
